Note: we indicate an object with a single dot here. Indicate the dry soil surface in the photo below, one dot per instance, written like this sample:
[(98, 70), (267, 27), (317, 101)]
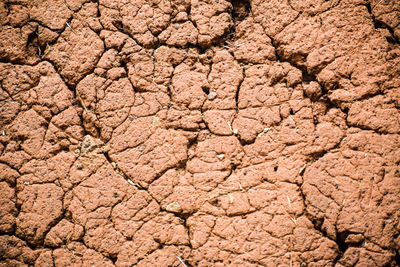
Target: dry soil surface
[(200, 133)]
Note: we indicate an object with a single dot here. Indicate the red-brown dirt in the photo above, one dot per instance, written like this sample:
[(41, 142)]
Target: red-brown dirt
[(200, 133)]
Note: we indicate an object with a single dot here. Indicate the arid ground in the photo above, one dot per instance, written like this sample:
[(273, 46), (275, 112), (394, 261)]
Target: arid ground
[(200, 133)]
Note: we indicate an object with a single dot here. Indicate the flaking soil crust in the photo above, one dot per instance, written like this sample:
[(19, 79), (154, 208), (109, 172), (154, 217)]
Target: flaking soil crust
[(200, 133)]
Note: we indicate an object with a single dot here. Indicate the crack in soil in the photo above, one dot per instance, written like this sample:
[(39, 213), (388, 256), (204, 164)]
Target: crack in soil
[(238, 226)]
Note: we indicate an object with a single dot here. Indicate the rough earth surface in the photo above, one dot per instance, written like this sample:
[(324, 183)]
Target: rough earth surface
[(200, 133)]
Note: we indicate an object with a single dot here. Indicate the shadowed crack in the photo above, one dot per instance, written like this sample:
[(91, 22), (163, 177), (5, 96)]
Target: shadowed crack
[(240, 10), (397, 258), (379, 24)]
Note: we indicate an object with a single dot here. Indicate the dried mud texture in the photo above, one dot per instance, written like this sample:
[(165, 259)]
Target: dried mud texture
[(200, 133)]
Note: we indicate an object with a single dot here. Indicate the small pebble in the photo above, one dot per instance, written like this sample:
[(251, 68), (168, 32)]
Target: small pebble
[(155, 120), (26, 183), (212, 95), (221, 156), (4, 133), (174, 207), (130, 182), (79, 166), (142, 148)]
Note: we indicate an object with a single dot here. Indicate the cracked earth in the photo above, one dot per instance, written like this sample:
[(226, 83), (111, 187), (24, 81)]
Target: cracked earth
[(200, 133)]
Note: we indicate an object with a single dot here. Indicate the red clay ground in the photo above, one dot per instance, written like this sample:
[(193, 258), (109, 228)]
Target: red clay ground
[(200, 133)]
